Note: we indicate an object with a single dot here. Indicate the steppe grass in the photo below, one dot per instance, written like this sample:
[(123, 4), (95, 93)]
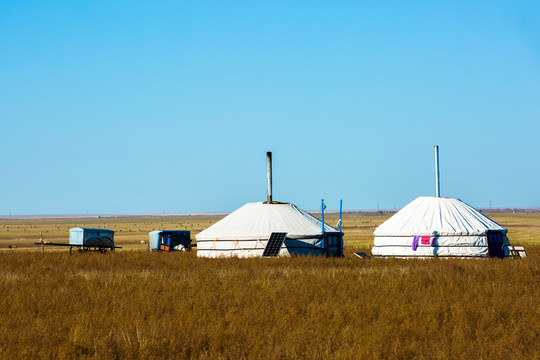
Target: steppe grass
[(129, 232), (141, 305), (135, 304), (523, 229)]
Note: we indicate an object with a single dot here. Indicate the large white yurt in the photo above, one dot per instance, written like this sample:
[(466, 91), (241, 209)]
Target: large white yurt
[(245, 232), (439, 226)]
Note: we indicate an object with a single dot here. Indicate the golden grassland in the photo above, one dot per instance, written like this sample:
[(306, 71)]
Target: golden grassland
[(134, 304), (137, 304), (129, 232), (524, 229)]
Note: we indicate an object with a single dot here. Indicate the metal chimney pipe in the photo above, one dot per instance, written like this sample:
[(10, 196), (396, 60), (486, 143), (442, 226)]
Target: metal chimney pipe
[(269, 176), (437, 184)]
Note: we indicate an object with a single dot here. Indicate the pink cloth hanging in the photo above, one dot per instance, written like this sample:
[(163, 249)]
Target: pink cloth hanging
[(426, 240)]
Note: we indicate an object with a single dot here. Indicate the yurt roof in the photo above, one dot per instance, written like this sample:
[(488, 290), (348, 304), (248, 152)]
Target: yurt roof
[(430, 215), (260, 219)]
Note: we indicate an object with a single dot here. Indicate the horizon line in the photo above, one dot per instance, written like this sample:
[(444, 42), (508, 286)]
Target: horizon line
[(222, 213)]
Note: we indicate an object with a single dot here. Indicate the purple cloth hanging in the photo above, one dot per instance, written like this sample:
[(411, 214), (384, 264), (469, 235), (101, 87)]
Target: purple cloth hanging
[(432, 243), (415, 243)]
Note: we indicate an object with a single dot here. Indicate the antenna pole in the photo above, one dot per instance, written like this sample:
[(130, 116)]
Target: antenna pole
[(322, 214), (437, 184), (269, 177), (340, 207)]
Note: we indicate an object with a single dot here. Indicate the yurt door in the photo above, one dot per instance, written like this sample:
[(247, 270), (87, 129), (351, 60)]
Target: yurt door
[(334, 246), (495, 244)]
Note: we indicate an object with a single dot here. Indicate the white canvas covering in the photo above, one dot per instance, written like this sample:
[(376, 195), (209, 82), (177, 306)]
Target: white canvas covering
[(244, 232), (456, 228)]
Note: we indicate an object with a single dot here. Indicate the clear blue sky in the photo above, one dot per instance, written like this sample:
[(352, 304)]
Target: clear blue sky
[(150, 107)]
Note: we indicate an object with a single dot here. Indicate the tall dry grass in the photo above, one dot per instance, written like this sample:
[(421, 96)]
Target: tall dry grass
[(129, 305)]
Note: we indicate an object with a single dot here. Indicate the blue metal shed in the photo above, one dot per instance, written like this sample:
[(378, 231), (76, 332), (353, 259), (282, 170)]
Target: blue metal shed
[(169, 240)]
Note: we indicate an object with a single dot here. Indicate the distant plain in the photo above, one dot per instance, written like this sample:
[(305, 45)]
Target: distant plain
[(523, 228)]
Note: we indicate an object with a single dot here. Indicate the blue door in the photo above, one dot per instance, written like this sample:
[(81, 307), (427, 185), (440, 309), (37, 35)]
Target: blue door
[(495, 240)]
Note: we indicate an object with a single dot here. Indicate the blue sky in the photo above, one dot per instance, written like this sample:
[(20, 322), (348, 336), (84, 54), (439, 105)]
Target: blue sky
[(150, 107)]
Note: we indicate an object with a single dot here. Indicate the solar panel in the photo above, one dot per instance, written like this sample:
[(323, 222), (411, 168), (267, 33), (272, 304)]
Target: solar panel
[(274, 244)]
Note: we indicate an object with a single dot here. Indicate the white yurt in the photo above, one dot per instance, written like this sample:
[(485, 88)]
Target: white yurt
[(245, 232), (439, 226)]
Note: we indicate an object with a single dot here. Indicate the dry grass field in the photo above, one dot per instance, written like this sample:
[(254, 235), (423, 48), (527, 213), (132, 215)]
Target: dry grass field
[(136, 304), (129, 232), (524, 229)]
